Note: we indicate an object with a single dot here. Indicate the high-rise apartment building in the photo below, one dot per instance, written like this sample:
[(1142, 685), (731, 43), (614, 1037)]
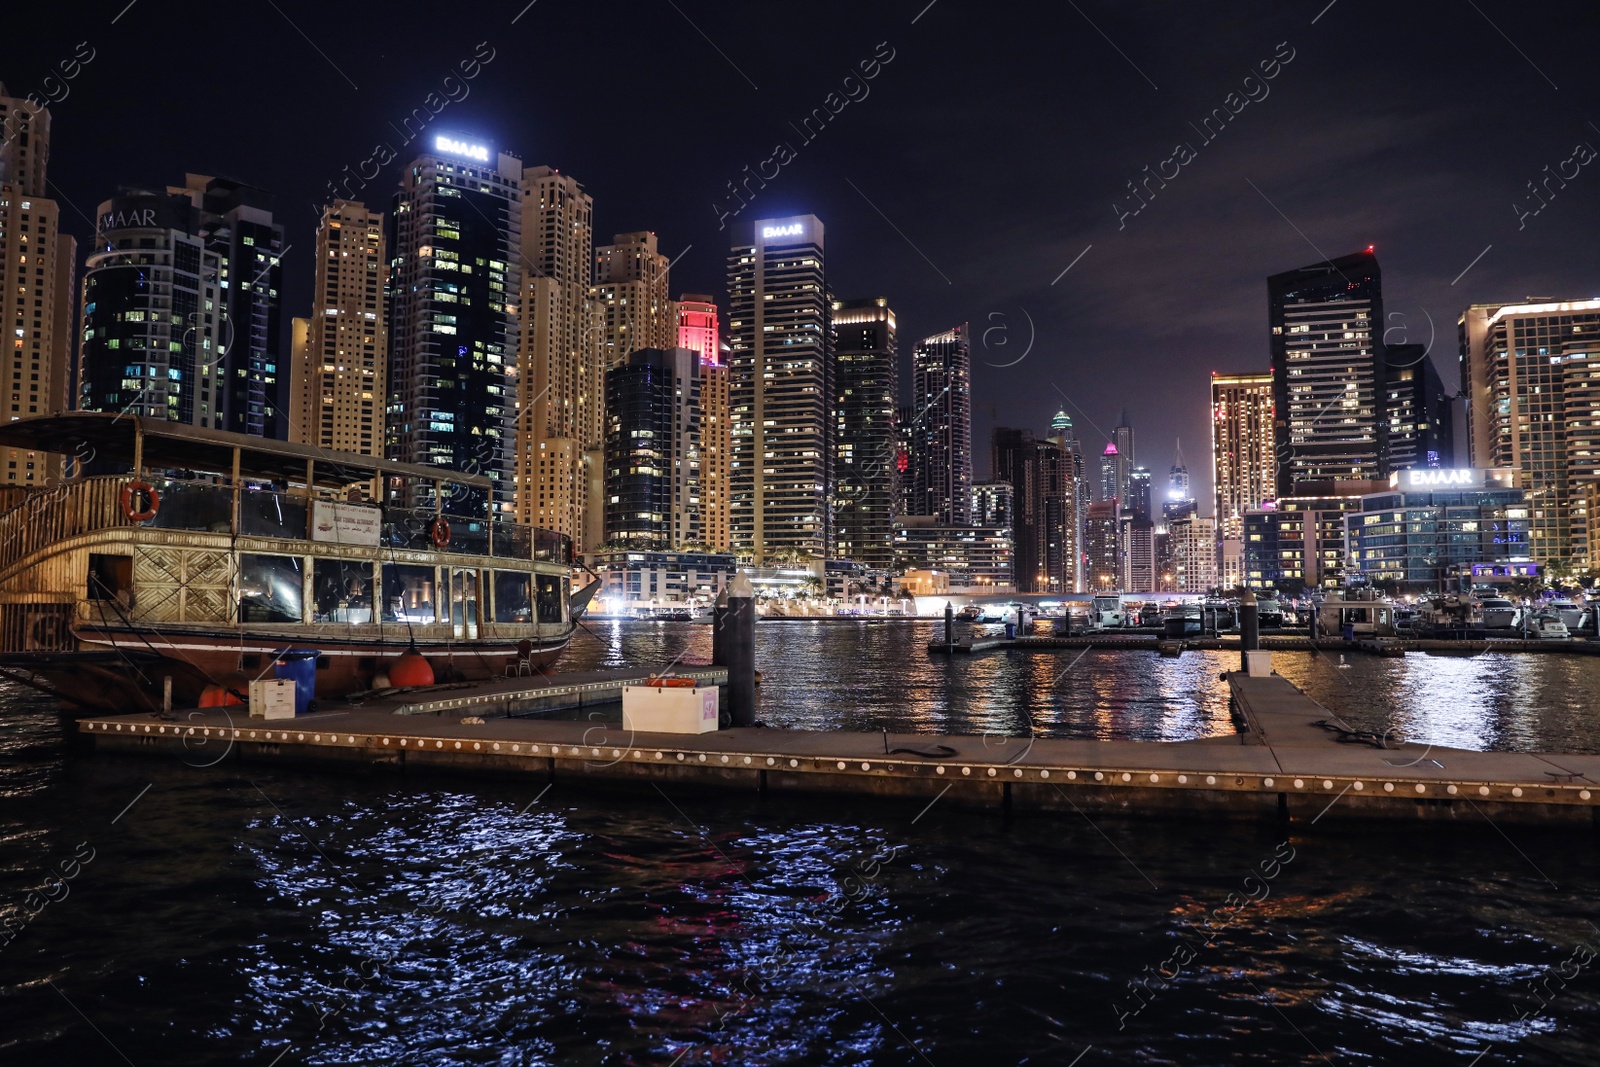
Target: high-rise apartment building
[(37, 263), (1141, 492), (941, 453), (1078, 495), (1044, 528), (154, 313), (238, 226), (1138, 542), (1102, 542), (781, 361), (1328, 371), (652, 450), (455, 272), (630, 296), (1243, 448), (1531, 373), (867, 385), (993, 504), (1194, 553), (1122, 437), (698, 331), (1421, 430), (558, 361), (339, 369)]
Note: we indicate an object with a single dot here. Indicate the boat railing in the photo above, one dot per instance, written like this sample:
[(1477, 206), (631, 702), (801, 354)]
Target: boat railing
[(71, 508)]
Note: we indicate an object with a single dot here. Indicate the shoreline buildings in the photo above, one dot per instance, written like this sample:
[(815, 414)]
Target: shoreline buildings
[(867, 385)]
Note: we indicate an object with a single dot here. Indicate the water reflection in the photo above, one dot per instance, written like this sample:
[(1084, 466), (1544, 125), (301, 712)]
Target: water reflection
[(871, 676)]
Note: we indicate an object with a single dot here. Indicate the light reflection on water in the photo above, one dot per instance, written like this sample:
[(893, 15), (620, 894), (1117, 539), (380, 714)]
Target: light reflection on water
[(246, 909), (871, 676)]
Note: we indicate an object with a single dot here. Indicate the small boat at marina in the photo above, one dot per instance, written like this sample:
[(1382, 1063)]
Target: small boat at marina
[(1498, 613), (1269, 611), (1183, 620), (1567, 610), (203, 557), (1105, 612), (1547, 626)]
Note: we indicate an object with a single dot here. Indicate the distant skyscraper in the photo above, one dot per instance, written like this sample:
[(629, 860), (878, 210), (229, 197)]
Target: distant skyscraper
[(1180, 500), (1103, 547), (1420, 413), (1243, 448), (153, 313), (1533, 403), (630, 294), (1110, 472), (1014, 458), (37, 263), (941, 395), (1141, 492), (781, 366), (455, 240), (239, 228), (1138, 535), (339, 373), (698, 332), (1058, 519), (558, 359), (1328, 370), (652, 449), (867, 385), (1075, 491)]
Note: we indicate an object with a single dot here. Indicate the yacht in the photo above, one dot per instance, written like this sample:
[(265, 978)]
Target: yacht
[(215, 553), (1547, 626), (1269, 611), (1183, 620), (1105, 612), (1567, 610), (1498, 612)]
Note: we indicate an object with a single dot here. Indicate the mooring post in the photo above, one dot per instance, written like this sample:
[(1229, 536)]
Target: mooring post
[(1249, 628), (719, 627), (949, 628), (166, 694), (739, 646)]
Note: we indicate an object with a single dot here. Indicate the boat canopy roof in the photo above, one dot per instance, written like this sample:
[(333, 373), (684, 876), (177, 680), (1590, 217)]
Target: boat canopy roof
[(166, 445)]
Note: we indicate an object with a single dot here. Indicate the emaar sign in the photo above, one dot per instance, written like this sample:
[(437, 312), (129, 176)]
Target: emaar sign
[(478, 152), (784, 229), (1437, 478)]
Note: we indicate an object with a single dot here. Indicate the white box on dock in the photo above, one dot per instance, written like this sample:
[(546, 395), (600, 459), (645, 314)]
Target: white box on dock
[(272, 698), (669, 709), (1258, 663)]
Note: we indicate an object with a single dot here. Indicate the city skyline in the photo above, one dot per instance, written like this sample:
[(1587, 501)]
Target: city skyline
[(1343, 182)]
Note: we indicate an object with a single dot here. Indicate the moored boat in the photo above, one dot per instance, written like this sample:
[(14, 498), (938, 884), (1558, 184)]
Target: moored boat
[(215, 552)]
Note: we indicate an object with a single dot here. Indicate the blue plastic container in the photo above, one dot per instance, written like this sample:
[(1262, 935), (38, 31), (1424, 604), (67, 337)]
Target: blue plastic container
[(299, 665)]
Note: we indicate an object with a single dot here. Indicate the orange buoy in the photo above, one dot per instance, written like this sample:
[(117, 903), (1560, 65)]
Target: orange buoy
[(226, 694), (410, 670)]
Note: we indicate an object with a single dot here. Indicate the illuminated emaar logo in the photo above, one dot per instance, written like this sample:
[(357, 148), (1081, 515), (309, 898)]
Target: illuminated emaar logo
[(461, 148), (793, 229), (1429, 477)]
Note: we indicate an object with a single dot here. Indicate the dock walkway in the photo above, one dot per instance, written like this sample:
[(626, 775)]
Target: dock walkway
[(1289, 759)]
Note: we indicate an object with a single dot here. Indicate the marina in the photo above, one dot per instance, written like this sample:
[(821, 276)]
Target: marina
[(1288, 761)]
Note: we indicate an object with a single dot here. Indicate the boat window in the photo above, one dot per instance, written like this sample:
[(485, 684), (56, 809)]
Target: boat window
[(550, 598), (110, 577), (264, 514), (513, 601), (343, 590), (194, 507), (408, 593), (270, 588)]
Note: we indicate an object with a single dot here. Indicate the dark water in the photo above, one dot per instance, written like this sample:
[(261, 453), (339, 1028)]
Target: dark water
[(255, 914)]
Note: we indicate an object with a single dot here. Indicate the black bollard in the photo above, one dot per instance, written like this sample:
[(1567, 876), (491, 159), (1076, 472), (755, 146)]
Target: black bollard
[(740, 648), (1249, 628), (949, 627), (719, 626)]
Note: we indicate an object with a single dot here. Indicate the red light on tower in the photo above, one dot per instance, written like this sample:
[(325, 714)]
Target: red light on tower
[(1371, 247)]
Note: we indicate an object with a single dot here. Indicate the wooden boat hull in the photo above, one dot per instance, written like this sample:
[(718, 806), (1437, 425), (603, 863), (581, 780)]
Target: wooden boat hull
[(125, 670)]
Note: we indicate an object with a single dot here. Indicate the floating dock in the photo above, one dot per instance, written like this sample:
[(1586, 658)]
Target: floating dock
[(1292, 759)]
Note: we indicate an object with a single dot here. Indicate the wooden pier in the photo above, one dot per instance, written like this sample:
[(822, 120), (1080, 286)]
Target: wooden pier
[(1292, 759), (1382, 646)]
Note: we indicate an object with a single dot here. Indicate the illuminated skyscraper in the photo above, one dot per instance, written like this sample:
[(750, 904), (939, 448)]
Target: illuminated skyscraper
[(36, 285), (697, 331), (1531, 372), (941, 452), (781, 361), (154, 313), (867, 383), (1242, 448), (338, 373), (630, 296), (1419, 412), (1328, 369), (558, 361), (652, 450), (455, 271)]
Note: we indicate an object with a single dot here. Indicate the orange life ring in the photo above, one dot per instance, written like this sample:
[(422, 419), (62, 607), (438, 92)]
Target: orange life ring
[(149, 492), (663, 681), (439, 533)]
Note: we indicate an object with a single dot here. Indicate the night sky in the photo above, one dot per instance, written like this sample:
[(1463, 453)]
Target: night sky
[(982, 159)]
